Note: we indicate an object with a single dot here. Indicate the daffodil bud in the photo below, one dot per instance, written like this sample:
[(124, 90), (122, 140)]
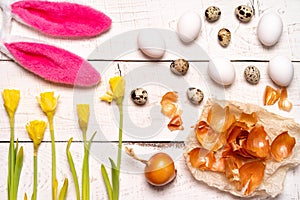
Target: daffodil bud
[(11, 100), (48, 103), (36, 130), (83, 113)]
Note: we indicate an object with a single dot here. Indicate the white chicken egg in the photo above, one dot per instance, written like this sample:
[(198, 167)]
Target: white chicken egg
[(281, 70), (269, 29), (189, 26), (221, 71), (151, 43)]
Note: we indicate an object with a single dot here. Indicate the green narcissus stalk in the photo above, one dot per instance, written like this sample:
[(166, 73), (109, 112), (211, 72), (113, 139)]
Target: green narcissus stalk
[(83, 113), (117, 86), (35, 130), (48, 104), (11, 100)]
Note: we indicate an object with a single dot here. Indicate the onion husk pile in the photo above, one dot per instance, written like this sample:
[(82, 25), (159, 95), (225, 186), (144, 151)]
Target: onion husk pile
[(242, 148)]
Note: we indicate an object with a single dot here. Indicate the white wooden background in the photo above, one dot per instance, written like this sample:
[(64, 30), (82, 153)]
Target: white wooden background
[(127, 15)]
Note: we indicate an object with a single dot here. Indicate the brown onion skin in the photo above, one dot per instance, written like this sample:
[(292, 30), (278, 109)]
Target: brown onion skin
[(160, 169)]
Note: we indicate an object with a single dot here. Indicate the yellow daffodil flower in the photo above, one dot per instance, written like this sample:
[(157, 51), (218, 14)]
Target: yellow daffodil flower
[(48, 103), (83, 113), (36, 130), (11, 100), (117, 86)]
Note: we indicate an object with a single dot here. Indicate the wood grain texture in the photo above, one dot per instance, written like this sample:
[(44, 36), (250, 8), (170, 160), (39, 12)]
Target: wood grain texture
[(144, 123), (132, 15), (133, 183), (145, 127)]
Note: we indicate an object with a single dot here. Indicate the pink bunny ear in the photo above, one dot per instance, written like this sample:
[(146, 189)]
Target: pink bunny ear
[(61, 18), (54, 64)]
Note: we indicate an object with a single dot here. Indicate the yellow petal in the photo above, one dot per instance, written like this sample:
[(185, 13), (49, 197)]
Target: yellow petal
[(36, 130), (83, 113), (48, 102), (107, 98), (117, 86), (11, 100)]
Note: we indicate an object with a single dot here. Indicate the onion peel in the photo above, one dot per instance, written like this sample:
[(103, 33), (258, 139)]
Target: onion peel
[(271, 95), (175, 123), (251, 175), (282, 146), (170, 97), (205, 160), (257, 143), (207, 137), (250, 119), (284, 103)]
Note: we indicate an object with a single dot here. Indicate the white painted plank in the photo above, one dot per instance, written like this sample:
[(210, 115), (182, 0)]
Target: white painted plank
[(133, 15), (133, 184), (141, 123)]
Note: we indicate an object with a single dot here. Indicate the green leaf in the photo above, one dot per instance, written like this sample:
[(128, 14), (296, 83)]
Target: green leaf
[(106, 182), (18, 169), (90, 141), (85, 170), (115, 179), (72, 168), (63, 191), (16, 149)]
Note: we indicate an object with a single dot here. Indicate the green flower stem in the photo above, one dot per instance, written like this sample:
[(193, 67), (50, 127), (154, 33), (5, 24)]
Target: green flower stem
[(54, 180), (120, 106), (85, 170), (11, 159), (73, 170), (34, 175), (116, 187)]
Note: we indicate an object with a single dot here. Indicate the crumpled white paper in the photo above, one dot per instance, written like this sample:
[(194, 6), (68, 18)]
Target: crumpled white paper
[(275, 172)]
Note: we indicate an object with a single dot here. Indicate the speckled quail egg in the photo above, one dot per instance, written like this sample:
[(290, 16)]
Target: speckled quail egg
[(212, 13), (224, 37), (195, 95), (252, 74), (244, 13), (139, 96), (179, 66)]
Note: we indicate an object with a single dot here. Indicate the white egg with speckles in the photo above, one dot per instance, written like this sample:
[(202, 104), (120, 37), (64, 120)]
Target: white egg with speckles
[(221, 71), (195, 95), (139, 96), (281, 70)]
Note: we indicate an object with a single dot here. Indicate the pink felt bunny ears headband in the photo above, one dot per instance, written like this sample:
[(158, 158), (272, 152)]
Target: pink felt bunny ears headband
[(59, 19)]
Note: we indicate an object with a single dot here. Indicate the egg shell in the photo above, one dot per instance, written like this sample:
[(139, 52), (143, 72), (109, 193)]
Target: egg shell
[(221, 71), (139, 96), (179, 66), (195, 95), (281, 70), (269, 29), (151, 43), (189, 26), (224, 37)]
